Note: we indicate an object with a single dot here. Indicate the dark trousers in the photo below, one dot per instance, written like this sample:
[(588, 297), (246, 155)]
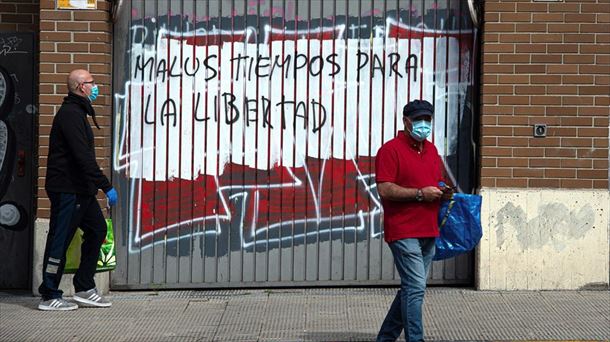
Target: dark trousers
[(69, 212)]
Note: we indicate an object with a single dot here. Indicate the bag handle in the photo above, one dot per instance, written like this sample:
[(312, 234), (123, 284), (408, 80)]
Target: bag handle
[(446, 216)]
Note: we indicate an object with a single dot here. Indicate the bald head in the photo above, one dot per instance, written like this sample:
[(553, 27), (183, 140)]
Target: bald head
[(76, 79)]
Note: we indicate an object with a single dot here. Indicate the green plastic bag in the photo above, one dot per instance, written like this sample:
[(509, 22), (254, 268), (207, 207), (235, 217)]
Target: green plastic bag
[(105, 262)]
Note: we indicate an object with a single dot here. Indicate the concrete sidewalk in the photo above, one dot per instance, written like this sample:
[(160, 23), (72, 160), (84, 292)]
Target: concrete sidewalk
[(335, 314)]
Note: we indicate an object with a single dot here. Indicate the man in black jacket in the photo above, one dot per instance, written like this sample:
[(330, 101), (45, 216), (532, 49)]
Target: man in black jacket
[(72, 181)]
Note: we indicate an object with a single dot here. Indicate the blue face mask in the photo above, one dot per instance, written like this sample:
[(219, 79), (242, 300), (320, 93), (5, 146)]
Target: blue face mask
[(94, 93), (421, 130)]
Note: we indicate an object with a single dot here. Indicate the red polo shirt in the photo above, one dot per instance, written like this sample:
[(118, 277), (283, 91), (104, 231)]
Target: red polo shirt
[(400, 162)]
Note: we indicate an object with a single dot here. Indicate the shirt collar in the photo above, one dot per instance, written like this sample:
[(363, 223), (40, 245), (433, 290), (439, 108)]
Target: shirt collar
[(411, 141)]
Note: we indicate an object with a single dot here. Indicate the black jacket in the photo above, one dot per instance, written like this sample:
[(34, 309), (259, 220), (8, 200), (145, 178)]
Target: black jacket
[(71, 166)]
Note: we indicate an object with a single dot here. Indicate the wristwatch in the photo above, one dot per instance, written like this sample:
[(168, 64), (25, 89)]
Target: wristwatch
[(419, 195)]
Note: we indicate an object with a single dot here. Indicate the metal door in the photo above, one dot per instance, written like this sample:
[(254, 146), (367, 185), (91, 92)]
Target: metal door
[(246, 131), (17, 117)]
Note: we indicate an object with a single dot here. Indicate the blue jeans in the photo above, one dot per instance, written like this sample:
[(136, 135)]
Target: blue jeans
[(412, 258)]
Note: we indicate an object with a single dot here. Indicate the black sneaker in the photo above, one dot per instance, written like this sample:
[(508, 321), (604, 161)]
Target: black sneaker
[(91, 298)]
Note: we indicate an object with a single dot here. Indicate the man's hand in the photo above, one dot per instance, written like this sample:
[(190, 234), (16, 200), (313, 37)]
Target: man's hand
[(447, 193), (431, 193), (112, 196)]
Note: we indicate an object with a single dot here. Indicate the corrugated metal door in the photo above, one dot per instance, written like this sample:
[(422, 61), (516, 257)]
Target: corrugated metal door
[(246, 132)]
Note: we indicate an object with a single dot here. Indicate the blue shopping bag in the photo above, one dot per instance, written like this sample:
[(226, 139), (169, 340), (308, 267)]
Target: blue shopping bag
[(459, 224)]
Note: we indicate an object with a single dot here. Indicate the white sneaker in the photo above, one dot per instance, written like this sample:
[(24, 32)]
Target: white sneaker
[(91, 298), (58, 304)]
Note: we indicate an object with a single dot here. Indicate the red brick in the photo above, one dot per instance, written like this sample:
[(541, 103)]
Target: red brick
[(55, 15), (500, 6), (496, 151), (562, 89), (546, 100), (544, 162), (499, 27), (563, 7), (577, 100), (562, 48), (495, 172), (601, 38), (546, 58), (528, 27), (488, 162), (562, 69), (491, 17), (576, 183), (513, 162), (592, 174), (579, 59), (579, 18), (531, 7), (16, 18), (530, 110), (529, 48), (528, 152), (488, 182), (547, 38), (595, 48), (528, 173), (592, 153), (511, 182), (577, 79), (577, 163), (56, 36), (602, 59), (561, 28), (513, 79), (513, 100), (560, 152), (547, 17), (546, 142), (578, 38), (510, 141), (543, 183), (530, 90), (530, 69), (512, 120), (576, 121), (545, 79), (515, 58), (516, 17), (595, 8), (90, 16), (592, 132), (600, 184), (594, 28)]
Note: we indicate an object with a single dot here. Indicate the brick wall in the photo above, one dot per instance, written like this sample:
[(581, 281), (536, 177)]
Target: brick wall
[(19, 15), (549, 63), (71, 39)]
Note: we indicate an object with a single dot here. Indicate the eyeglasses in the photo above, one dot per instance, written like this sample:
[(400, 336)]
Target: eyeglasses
[(89, 82)]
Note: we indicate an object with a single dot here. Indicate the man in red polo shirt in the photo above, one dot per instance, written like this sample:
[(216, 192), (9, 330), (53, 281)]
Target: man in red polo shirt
[(408, 173)]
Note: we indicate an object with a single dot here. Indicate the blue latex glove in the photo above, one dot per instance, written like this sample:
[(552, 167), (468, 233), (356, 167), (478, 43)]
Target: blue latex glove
[(112, 196)]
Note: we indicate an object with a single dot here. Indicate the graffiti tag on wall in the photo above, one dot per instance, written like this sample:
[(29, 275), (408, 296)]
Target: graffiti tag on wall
[(217, 128)]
